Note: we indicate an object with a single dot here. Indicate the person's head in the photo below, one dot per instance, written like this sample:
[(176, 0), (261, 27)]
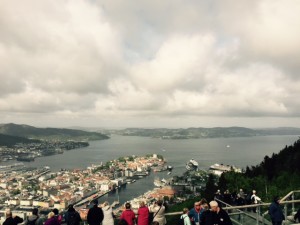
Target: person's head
[(71, 208), (8, 213), (50, 215), (106, 203), (197, 205), (185, 210), (276, 199), (205, 206), (35, 211), (95, 202), (142, 203), (127, 205), (254, 192), (55, 210), (159, 202), (214, 206)]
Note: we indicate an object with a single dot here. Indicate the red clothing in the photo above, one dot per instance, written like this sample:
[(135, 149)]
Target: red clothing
[(129, 216), (143, 216)]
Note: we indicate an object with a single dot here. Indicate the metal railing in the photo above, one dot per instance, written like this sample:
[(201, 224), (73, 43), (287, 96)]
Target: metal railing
[(256, 213)]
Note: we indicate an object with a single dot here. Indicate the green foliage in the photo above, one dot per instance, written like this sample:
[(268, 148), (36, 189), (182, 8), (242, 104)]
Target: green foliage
[(276, 175)]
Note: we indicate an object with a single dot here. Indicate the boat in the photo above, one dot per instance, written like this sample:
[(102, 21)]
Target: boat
[(169, 172), (158, 183), (169, 167), (192, 165), (218, 169)]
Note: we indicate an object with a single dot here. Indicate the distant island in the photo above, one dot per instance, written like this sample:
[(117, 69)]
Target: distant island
[(195, 133)]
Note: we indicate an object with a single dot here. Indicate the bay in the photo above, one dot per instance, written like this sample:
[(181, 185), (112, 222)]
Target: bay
[(241, 152)]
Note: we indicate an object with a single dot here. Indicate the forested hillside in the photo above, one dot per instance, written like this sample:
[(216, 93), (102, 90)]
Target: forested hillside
[(275, 175)]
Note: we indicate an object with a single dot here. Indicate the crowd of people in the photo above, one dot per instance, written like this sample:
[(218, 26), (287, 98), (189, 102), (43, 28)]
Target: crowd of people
[(203, 213)]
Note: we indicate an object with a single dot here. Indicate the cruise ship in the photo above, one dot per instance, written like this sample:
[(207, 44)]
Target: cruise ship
[(218, 169), (192, 165)]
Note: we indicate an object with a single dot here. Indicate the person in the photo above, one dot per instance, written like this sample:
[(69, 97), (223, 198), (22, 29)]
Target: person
[(239, 202), (108, 214), (57, 215), (195, 213), (95, 214), (275, 212), (227, 197), (206, 217), (254, 200), (220, 217), (159, 212), (72, 217), (128, 214), (10, 220), (297, 216), (185, 217), (52, 220), (34, 219), (143, 214)]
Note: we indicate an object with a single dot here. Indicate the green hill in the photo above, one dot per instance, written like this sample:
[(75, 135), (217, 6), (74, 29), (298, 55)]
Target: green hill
[(49, 133), (9, 141)]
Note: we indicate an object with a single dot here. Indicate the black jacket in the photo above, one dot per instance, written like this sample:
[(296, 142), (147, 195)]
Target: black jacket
[(95, 216), (13, 221), (222, 218)]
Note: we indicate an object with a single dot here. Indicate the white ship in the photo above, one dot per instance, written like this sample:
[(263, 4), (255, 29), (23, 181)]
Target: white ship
[(158, 183), (192, 165), (218, 169)]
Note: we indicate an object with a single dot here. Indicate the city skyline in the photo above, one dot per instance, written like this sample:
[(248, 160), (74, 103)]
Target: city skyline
[(150, 64)]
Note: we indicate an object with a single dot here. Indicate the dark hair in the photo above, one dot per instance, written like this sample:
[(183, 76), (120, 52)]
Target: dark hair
[(127, 205), (35, 211), (159, 202), (71, 208), (95, 201), (55, 210)]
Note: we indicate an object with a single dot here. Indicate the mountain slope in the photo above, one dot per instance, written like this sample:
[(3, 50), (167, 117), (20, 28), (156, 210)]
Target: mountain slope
[(49, 133)]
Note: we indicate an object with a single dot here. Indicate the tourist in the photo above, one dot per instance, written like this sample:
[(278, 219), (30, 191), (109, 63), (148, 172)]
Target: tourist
[(206, 217), (72, 216), (95, 214), (297, 216), (10, 220), (239, 202), (254, 200), (57, 215), (227, 197), (185, 217), (275, 212), (195, 213), (108, 214), (52, 220), (34, 219), (143, 214), (128, 214), (159, 212), (220, 217)]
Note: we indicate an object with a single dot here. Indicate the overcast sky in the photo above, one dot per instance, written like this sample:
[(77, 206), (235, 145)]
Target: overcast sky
[(169, 63)]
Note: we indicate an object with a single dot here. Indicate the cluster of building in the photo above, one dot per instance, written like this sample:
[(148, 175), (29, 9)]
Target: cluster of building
[(26, 188), (29, 151)]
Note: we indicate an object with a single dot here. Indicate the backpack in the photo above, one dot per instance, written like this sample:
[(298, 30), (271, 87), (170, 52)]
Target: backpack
[(32, 222), (253, 200), (181, 219)]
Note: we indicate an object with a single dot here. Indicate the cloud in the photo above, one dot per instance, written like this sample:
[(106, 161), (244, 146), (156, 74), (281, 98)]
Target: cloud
[(79, 61)]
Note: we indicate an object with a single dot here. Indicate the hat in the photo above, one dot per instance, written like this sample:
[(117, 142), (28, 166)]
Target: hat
[(95, 201)]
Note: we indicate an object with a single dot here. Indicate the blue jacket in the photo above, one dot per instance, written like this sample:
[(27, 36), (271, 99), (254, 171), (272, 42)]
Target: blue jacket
[(275, 212), (195, 215)]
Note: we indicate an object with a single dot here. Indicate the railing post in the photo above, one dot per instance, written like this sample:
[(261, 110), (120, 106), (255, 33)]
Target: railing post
[(257, 214), (293, 204), (285, 210)]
